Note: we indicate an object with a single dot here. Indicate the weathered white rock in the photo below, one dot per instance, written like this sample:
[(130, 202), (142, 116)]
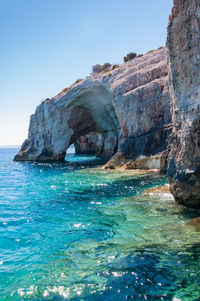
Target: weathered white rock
[(129, 107)]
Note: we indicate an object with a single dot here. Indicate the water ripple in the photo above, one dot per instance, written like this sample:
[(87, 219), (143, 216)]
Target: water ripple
[(72, 233)]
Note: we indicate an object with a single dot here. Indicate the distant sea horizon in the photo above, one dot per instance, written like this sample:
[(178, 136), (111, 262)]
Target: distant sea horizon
[(9, 146)]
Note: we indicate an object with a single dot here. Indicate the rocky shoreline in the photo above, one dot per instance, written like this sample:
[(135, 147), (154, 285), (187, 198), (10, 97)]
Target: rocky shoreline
[(142, 115)]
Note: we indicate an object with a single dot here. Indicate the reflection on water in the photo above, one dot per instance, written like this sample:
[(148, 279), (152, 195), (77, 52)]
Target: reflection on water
[(72, 158), (82, 160), (72, 233)]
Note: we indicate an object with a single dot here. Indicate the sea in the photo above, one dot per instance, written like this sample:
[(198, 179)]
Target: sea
[(75, 231)]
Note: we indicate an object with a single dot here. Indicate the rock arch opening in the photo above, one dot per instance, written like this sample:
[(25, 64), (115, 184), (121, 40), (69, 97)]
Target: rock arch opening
[(71, 150), (86, 117), (93, 124)]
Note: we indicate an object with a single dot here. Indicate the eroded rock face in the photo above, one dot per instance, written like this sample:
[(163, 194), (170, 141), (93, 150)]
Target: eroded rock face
[(99, 144), (184, 61), (127, 108), (89, 144), (142, 103)]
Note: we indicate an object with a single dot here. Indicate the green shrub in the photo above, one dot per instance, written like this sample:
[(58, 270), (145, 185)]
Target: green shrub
[(106, 66), (77, 81), (101, 68), (130, 56), (64, 90), (115, 66), (97, 68)]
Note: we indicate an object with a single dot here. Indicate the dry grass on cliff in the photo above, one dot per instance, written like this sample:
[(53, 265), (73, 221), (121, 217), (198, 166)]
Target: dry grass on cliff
[(64, 91)]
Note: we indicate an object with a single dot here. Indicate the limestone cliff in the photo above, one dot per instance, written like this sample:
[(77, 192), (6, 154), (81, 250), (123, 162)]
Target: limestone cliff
[(127, 108), (184, 61)]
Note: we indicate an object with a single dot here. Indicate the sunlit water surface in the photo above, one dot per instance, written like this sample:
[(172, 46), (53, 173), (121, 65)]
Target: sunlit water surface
[(76, 233)]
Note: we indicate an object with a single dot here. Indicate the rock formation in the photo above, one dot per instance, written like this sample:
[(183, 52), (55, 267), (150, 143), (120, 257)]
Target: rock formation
[(184, 61), (128, 109), (99, 144), (90, 144)]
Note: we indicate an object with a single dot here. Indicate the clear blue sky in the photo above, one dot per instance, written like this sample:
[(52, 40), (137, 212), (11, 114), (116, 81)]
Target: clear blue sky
[(46, 45)]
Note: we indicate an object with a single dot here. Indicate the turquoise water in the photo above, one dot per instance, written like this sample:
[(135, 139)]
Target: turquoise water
[(73, 233)]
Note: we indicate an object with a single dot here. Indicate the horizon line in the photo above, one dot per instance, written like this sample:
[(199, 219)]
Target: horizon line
[(9, 145)]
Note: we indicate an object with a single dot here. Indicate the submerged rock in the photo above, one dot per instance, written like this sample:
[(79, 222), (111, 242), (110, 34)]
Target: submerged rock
[(156, 162), (195, 222), (159, 191), (184, 61), (128, 109)]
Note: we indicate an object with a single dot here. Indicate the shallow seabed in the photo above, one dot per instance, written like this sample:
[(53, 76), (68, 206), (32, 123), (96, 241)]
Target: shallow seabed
[(79, 233)]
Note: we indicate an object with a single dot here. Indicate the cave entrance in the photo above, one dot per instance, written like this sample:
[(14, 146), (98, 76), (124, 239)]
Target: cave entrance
[(71, 150), (74, 155), (92, 127), (84, 110)]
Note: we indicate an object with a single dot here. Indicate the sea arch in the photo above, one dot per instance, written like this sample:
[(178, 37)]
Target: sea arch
[(58, 123)]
